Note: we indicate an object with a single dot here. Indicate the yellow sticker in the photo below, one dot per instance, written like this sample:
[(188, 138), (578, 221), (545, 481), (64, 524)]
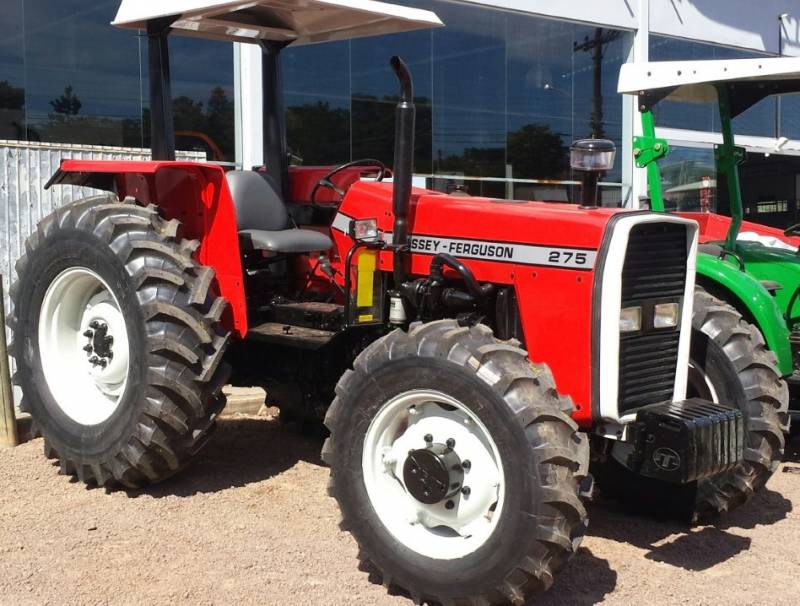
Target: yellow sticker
[(367, 260), (366, 318)]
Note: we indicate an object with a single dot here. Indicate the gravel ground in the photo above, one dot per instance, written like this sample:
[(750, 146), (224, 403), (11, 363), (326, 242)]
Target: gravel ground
[(250, 523)]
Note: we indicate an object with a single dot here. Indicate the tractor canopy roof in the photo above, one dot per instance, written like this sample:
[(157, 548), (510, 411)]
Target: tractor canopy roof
[(289, 21), (747, 80)]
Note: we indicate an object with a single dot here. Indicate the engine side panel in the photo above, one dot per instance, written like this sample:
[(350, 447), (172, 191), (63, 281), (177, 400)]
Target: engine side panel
[(546, 251)]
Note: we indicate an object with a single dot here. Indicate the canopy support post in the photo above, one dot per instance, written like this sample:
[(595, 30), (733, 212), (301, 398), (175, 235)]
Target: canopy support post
[(162, 127)]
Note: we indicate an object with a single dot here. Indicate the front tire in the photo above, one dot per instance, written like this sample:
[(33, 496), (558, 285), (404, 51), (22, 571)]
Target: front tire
[(118, 342), (456, 394)]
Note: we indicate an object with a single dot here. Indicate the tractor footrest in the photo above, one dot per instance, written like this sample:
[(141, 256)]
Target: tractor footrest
[(311, 314), (300, 337), (681, 442)]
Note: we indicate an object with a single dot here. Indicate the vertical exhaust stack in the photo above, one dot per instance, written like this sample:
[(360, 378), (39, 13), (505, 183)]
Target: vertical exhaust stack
[(405, 116)]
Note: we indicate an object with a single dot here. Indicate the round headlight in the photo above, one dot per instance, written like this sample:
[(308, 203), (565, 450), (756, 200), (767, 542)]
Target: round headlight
[(593, 155)]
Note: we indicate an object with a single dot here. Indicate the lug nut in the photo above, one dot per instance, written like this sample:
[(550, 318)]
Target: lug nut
[(94, 324), (450, 443), (428, 438), (94, 360), (88, 333), (466, 464), (103, 363), (87, 348), (449, 505), (465, 491)]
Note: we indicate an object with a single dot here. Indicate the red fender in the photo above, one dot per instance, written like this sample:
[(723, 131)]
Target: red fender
[(195, 194)]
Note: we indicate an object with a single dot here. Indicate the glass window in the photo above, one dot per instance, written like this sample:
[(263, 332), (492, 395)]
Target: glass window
[(500, 96), (202, 97), (82, 75), (317, 97), (12, 77), (689, 179), (758, 120), (375, 94), (469, 92)]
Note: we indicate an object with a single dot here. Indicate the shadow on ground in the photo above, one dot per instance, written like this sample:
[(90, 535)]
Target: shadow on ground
[(242, 451), (678, 544)]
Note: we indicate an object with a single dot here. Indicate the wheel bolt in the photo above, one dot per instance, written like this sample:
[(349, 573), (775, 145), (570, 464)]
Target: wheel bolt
[(449, 505), (465, 491), (88, 333), (466, 464), (103, 363), (87, 348), (428, 438), (450, 443), (94, 324), (94, 360)]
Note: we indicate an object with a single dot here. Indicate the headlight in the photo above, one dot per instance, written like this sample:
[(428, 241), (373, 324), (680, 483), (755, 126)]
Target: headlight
[(364, 230), (665, 315), (630, 319)]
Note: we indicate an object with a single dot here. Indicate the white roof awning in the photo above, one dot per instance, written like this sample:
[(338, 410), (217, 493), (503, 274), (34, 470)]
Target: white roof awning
[(291, 21), (694, 80)]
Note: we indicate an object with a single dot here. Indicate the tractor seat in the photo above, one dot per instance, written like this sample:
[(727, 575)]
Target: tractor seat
[(262, 219)]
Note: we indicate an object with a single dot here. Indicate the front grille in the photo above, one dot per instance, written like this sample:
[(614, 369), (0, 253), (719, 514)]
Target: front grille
[(654, 271)]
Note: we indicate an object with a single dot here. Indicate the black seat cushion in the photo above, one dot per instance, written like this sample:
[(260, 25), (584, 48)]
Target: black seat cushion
[(285, 241), (262, 219)]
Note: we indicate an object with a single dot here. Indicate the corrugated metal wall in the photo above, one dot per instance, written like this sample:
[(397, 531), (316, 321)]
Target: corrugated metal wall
[(24, 169)]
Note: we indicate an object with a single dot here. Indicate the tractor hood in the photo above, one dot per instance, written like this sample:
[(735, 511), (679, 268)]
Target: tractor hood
[(500, 223), (289, 21)]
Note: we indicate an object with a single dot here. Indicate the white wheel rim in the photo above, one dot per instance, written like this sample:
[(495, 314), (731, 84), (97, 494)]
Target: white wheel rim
[(436, 531), (697, 377), (85, 372)]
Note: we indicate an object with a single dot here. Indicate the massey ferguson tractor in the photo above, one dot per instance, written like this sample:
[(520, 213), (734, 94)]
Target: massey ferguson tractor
[(466, 354)]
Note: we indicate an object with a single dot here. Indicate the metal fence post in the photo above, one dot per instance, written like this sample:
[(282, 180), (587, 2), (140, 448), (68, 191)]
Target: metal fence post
[(8, 421)]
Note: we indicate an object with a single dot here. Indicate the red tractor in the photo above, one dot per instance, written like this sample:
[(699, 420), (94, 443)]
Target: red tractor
[(460, 350)]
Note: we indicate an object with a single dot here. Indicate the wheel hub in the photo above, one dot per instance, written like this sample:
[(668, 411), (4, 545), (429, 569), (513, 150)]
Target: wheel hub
[(433, 474), (83, 344), (99, 349), (416, 483)]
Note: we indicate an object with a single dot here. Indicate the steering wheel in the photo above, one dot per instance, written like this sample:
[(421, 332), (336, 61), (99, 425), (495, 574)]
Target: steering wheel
[(793, 230), (326, 181)]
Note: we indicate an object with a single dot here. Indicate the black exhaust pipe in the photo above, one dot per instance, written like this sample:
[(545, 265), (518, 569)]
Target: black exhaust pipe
[(405, 116)]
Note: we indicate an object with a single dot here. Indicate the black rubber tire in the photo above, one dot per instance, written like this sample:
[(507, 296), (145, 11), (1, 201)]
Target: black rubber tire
[(176, 341), (744, 373), (545, 455)]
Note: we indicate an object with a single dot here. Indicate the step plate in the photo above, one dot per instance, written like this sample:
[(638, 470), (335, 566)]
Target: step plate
[(289, 335)]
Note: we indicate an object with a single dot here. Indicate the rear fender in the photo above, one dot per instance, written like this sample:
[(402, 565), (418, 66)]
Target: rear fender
[(746, 294), (195, 194)]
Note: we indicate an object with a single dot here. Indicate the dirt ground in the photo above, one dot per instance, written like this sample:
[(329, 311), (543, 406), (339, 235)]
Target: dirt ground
[(250, 523)]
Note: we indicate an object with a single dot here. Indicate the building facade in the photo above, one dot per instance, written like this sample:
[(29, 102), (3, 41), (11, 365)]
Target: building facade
[(501, 92)]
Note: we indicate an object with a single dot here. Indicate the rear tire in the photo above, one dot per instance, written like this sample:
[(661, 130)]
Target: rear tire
[(532, 460), (131, 397)]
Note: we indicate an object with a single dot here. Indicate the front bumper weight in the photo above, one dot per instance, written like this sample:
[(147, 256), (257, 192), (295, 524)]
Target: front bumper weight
[(686, 441)]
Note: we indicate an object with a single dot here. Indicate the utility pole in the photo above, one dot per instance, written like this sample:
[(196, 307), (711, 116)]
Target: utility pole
[(595, 45), (8, 421)]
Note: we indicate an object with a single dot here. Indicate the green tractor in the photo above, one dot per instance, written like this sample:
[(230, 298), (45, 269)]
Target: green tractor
[(753, 268)]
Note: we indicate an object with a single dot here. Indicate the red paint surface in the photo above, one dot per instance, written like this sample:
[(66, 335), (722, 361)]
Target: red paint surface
[(714, 228), (555, 303), (195, 194)]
